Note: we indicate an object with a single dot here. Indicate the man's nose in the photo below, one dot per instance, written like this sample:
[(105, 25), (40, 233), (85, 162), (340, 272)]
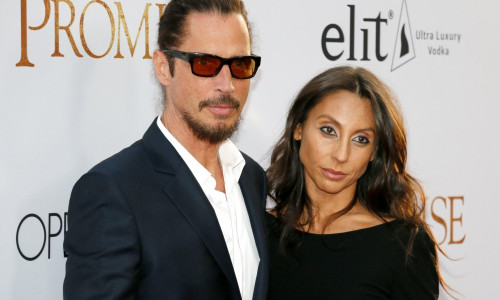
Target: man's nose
[(224, 80)]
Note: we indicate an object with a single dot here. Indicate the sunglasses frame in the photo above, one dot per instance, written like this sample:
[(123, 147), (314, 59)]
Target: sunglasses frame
[(190, 56)]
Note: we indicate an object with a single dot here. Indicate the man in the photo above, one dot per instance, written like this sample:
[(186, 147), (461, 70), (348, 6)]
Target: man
[(179, 214)]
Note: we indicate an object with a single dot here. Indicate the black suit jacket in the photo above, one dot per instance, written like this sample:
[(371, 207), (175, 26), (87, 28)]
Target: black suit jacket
[(140, 227)]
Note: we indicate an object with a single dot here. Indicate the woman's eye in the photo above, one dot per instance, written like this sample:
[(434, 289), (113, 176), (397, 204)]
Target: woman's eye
[(362, 140), (328, 130)]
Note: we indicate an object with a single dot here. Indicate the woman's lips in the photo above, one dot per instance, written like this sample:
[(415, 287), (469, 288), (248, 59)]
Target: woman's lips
[(333, 175)]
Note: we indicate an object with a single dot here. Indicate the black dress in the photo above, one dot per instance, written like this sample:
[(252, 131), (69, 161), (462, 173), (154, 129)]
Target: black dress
[(363, 264)]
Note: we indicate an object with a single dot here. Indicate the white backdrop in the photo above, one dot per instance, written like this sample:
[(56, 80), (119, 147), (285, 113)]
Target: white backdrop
[(67, 101)]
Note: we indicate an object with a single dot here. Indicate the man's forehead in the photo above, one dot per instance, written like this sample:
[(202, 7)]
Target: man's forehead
[(212, 30), (211, 19)]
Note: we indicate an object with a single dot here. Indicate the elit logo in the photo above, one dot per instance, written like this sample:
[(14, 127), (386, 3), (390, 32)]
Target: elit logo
[(374, 42), (403, 48)]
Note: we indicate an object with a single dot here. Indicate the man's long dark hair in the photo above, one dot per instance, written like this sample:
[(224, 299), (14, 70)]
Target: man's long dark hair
[(385, 189)]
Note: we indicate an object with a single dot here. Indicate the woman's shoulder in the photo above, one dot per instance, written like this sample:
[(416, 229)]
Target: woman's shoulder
[(419, 271), (386, 231), (407, 230), (415, 242)]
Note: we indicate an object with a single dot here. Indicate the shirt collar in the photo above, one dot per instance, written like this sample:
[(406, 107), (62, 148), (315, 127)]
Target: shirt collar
[(230, 158)]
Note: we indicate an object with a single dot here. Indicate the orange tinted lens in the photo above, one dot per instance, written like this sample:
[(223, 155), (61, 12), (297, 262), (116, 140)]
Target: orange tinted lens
[(243, 67), (205, 65)]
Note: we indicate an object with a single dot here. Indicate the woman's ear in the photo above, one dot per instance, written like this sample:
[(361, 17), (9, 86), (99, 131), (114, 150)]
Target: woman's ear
[(162, 68), (297, 133)]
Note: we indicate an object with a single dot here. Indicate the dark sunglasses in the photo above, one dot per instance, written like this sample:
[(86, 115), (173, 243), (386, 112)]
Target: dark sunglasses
[(208, 65)]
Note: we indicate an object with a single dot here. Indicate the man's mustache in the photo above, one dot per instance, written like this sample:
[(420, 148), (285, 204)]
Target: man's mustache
[(225, 100)]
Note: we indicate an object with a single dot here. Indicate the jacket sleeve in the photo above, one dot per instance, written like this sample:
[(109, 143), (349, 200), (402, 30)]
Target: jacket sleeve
[(102, 242)]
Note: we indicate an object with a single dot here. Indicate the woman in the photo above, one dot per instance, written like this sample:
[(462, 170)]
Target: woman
[(348, 221)]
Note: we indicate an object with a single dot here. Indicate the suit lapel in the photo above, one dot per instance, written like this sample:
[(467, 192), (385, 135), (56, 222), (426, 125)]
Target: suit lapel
[(189, 198), (186, 194), (254, 198), (254, 207)]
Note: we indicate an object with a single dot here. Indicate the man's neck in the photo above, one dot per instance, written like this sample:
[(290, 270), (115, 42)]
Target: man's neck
[(206, 153)]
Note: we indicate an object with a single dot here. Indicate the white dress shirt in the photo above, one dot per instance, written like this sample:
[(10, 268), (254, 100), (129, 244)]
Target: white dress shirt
[(229, 208)]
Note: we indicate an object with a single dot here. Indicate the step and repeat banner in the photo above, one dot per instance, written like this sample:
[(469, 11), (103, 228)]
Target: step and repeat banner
[(77, 85)]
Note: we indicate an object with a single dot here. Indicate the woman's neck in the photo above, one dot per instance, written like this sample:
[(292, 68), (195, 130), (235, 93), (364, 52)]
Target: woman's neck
[(338, 213)]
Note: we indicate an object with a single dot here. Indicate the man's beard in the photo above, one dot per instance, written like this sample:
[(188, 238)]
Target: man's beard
[(213, 134)]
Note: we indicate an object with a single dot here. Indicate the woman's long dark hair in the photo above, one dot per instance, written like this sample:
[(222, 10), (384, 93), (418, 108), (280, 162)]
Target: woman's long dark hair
[(385, 189)]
